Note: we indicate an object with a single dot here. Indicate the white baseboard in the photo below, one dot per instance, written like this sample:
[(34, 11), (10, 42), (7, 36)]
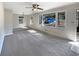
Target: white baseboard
[(2, 40), (8, 34), (1, 43)]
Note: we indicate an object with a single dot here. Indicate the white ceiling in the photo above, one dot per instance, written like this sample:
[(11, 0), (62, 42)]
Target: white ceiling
[(19, 7)]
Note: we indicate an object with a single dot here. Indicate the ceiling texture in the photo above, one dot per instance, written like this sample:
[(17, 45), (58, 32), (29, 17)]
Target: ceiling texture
[(19, 7)]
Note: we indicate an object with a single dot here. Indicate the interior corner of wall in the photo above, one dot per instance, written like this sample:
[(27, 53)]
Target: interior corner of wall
[(1, 43)]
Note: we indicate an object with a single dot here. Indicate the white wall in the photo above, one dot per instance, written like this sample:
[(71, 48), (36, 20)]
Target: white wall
[(69, 31), (1, 25), (8, 23), (16, 21)]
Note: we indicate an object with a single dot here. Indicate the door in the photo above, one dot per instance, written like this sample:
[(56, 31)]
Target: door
[(77, 20)]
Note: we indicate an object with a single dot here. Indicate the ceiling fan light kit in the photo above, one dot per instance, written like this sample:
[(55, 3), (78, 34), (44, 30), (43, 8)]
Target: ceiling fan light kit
[(35, 10)]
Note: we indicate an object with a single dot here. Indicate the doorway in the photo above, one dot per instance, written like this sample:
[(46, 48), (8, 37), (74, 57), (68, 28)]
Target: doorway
[(77, 18)]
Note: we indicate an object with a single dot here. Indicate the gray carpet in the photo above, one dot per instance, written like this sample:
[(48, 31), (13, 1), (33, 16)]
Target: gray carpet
[(27, 42)]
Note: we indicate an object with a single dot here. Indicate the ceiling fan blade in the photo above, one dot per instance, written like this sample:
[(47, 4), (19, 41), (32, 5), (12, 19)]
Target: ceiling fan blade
[(28, 7), (35, 7), (40, 8)]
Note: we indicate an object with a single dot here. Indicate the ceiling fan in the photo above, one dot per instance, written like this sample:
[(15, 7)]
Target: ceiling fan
[(35, 7)]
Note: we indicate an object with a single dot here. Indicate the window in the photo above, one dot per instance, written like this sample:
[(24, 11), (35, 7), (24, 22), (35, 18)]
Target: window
[(49, 19), (21, 19), (61, 19), (40, 19)]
